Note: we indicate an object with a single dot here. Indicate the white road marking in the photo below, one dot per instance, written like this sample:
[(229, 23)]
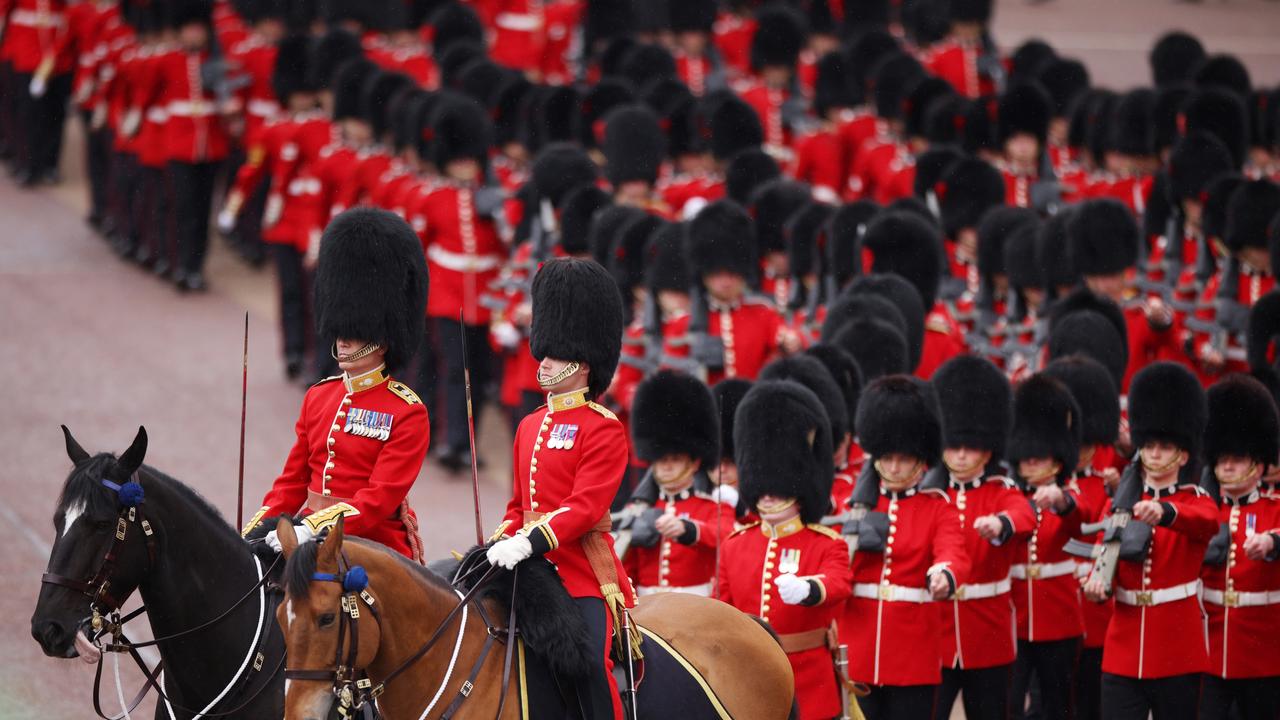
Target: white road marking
[(11, 518)]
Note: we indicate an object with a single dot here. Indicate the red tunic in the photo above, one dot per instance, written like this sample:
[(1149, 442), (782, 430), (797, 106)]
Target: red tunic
[(752, 558), (464, 252), (194, 129), (363, 440), (956, 61), (1157, 641), (885, 615), (750, 332), (1045, 589), (1244, 640), (943, 340), (569, 458), (1094, 500), (35, 30), (978, 632), (674, 566)]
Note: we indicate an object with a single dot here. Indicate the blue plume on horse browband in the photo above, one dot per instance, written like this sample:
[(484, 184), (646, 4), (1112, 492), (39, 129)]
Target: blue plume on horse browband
[(353, 580), (130, 493)]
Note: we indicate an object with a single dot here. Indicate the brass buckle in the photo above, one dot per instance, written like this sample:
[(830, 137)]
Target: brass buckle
[(121, 527), (466, 688), (1144, 598), (960, 592), (1231, 598), (886, 592), (1033, 571)]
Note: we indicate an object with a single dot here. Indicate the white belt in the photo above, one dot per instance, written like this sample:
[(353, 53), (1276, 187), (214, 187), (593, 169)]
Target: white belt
[(1043, 571), (190, 108), (982, 591), (1147, 598), (263, 108), (157, 115), (518, 22), (32, 18), (462, 262), (304, 186), (704, 589), (891, 593), (1242, 599)]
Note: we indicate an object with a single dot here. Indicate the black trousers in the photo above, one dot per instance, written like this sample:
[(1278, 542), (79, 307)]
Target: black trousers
[(293, 302), (8, 112), (1250, 699), (428, 373), (155, 233), (898, 702), (192, 202), (1171, 698), (1053, 663), (986, 693), (97, 160), (40, 121), (122, 196), (596, 696), (448, 335), (1089, 684)]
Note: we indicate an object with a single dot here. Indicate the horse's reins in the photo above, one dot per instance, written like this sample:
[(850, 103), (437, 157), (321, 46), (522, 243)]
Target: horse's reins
[(351, 685), (106, 619)]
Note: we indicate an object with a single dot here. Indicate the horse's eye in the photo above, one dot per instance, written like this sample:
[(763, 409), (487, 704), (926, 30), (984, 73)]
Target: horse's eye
[(326, 619)]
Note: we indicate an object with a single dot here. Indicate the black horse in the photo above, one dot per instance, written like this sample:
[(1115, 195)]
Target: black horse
[(201, 584)]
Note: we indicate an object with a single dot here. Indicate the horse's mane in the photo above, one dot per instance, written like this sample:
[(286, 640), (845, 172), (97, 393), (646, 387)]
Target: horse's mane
[(84, 488), (302, 565)]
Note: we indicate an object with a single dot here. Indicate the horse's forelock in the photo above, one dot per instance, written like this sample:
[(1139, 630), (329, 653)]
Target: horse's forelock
[(299, 570), (84, 488)]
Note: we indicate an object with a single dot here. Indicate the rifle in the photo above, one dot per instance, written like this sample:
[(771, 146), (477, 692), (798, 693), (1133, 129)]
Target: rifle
[(704, 349), (1128, 493), (866, 494)]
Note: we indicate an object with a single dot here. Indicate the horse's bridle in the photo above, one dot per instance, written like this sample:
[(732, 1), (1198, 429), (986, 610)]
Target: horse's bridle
[(353, 689)]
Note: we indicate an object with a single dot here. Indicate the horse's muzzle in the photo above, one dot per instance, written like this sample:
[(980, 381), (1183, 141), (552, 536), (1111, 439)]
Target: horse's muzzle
[(55, 639)]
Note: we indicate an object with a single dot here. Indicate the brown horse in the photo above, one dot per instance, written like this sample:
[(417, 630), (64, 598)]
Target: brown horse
[(704, 658)]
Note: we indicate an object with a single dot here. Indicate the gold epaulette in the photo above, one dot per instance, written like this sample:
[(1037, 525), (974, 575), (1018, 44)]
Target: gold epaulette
[(824, 530), (745, 528), (404, 392), (328, 379), (602, 410)]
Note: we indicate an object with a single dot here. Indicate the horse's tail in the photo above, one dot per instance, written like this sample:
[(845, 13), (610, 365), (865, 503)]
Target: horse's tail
[(795, 704)]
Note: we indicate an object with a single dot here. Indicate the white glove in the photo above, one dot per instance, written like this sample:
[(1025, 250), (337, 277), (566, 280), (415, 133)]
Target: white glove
[(226, 221), (304, 533), (506, 334), (508, 553), (726, 494), (37, 86), (131, 121), (792, 589)]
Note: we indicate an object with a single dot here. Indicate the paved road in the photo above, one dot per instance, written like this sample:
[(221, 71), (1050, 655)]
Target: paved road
[(101, 346)]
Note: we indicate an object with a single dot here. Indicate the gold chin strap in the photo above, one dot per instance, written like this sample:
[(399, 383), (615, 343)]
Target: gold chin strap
[(917, 470), (1159, 470), (365, 351), (561, 376), (775, 508), (1254, 470)]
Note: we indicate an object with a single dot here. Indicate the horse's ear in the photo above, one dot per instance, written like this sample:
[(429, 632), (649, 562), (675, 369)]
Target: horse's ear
[(332, 544), (74, 451), (287, 536), (131, 460)]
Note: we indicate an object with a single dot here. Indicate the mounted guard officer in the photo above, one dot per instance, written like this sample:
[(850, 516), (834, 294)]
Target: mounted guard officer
[(362, 435)]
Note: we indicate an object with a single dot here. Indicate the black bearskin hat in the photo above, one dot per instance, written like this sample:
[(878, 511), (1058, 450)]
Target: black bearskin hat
[(944, 121), (692, 15), (780, 36), (889, 82), (993, 235), (1065, 80), (559, 168), (576, 215), (906, 298), (1046, 423), (968, 189), (877, 346), (864, 52), (1249, 212), (974, 398), (1053, 251), (1104, 238), (1088, 333), (906, 245), (1029, 58), (980, 126), (899, 414), (1165, 114), (1095, 392), (722, 237), (1216, 198), (852, 306), (329, 53), (1167, 403), (507, 103), (606, 226), (1264, 330), (1020, 261), (460, 130), (728, 394), (667, 260), (292, 69), (597, 102), (811, 373), (634, 145), (1243, 421), (1133, 123), (1024, 109), (371, 283), (978, 11), (831, 88), (734, 126), (848, 376), (844, 233), (627, 261), (803, 231), (772, 205), (1083, 300), (481, 79), (577, 316), (931, 165), (454, 22), (1223, 114), (1224, 71), (676, 107), (1174, 59), (452, 61), (675, 413), (375, 100), (748, 170), (915, 106), (782, 444), (348, 87), (1196, 160), (190, 12)]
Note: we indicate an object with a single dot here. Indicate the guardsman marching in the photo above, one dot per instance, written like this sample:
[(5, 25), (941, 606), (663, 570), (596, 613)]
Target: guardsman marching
[(1153, 657), (977, 648), (676, 428), (1044, 449), (1242, 579), (786, 569), (909, 552), (570, 457), (362, 435)]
